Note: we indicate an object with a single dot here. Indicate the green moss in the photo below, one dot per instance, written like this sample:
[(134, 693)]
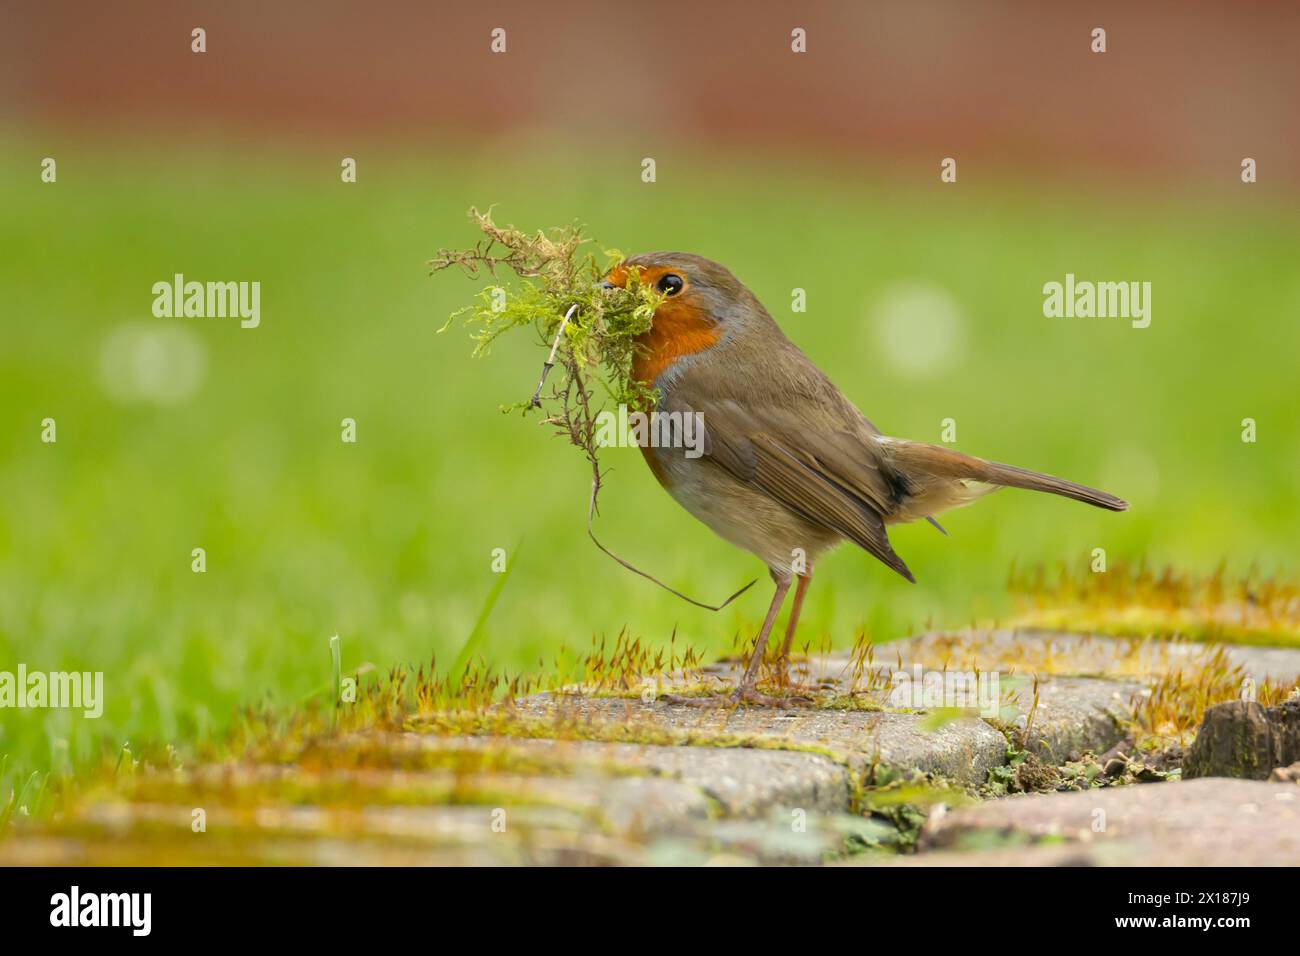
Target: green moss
[(559, 295)]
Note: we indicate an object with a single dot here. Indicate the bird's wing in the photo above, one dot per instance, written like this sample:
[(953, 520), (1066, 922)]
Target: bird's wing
[(823, 473)]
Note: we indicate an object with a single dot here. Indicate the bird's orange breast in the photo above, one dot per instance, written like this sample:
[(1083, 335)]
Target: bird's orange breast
[(678, 330)]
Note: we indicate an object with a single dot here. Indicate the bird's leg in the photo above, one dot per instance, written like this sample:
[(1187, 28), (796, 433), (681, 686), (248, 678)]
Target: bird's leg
[(783, 662), (747, 691)]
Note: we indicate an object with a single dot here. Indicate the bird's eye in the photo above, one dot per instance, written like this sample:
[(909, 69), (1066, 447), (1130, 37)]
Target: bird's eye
[(670, 284)]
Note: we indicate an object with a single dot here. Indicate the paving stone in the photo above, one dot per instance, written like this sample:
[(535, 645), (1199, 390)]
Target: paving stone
[(622, 804), (627, 820), (303, 836), (1211, 822), (963, 750), (777, 840), (743, 782), (1074, 714), (1087, 681), (1114, 853)]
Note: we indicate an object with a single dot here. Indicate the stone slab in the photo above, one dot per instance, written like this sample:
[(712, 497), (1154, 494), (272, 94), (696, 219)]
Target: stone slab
[(962, 750), (1074, 714), (742, 781), (1209, 822)]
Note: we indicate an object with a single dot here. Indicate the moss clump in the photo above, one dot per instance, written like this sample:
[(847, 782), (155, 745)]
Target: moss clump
[(1170, 714), (555, 279), (902, 800)]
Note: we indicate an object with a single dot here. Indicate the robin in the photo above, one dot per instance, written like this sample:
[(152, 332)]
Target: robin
[(789, 467)]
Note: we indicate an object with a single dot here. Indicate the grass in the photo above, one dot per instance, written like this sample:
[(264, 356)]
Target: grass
[(388, 542)]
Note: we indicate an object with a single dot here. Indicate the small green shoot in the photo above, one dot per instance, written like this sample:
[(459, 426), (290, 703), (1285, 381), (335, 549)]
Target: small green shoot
[(336, 665)]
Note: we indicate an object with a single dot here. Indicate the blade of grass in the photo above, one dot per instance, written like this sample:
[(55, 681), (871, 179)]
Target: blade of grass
[(7, 813), (336, 664), (480, 626)]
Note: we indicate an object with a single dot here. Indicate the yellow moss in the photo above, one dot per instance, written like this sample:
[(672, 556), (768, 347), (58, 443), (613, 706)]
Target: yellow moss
[(1133, 600)]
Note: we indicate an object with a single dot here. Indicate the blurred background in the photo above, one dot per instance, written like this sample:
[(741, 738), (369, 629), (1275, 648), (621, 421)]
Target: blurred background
[(817, 171)]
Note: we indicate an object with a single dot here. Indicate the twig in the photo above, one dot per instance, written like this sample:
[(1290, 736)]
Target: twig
[(591, 511), (550, 361), (588, 445)]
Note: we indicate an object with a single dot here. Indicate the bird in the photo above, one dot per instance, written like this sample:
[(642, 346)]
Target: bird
[(788, 467)]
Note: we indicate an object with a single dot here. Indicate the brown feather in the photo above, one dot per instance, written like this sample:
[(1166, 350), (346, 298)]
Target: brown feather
[(920, 460)]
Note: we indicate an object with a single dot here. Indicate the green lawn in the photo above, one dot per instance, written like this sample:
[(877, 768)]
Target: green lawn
[(387, 542)]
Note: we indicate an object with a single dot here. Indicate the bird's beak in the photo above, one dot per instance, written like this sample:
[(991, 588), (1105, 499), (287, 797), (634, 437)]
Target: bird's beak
[(616, 278)]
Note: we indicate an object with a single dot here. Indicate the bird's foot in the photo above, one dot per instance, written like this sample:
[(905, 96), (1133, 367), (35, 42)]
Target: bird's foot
[(750, 695)]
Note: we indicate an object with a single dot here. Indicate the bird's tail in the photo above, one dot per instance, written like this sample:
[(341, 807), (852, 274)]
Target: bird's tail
[(918, 460)]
